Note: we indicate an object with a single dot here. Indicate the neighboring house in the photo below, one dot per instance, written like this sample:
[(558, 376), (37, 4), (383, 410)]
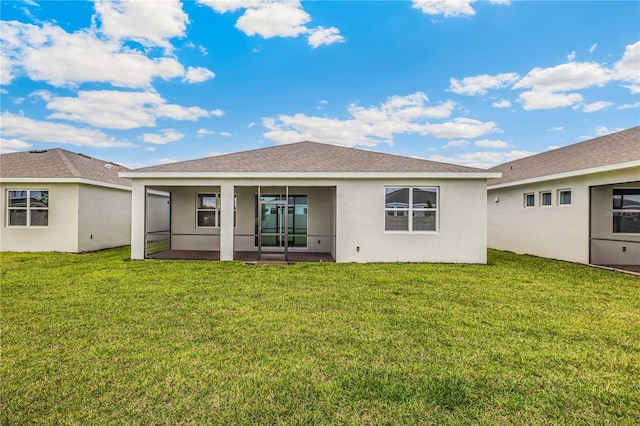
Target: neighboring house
[(352, 205), (579, 203), (56, 200)]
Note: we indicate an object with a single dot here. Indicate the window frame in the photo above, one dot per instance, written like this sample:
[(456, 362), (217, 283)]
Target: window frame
[(621, 211), (541, 198), (28, 208), (559, 197), (217, 209), (410, 210), (524, 200)]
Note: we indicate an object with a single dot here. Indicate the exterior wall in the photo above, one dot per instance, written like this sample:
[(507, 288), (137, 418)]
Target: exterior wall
[(104, 217), (557, 232), (158, 212), (608, 248), (62, 232), (359, 217), (183, 218), (461, 235)]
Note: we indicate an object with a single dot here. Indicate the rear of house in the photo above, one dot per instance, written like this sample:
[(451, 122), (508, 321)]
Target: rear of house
[(314, 201), (56, 200), (579, 203)]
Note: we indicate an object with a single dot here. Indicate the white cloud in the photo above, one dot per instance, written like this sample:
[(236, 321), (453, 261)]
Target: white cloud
[(114, 109), (571, 56), (269, 18), (149, 149), (320, 36), (166, 136), (628, 68), (628, 106), (250, 125), (483, 160), (479, 84), (491, 143), (557, 129), (596, 106), (502, 103), (50, 54), (11, 145), (551, 147), (217, 112), (197, 75), (203, 132), (593, 47), (548, 100), (150, 23), (448, 8), (565, 77), (166, 160), (455, 144), (45, 131), (225, 134), (373, 125), (503, 2), (599, 131)]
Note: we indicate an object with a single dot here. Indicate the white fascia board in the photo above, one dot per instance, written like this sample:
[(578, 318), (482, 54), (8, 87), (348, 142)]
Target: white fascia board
[(307, 175), (593, 170), (65, 180)]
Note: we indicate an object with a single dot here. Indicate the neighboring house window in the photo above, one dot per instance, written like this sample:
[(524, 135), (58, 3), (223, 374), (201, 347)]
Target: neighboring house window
[(529, 200), (208, 210), (545, 198), (411, 209), (28, 208), (564, 197), (626, 211)]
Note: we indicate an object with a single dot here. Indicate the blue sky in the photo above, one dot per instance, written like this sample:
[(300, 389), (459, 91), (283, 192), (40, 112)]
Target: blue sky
[(470, 82)]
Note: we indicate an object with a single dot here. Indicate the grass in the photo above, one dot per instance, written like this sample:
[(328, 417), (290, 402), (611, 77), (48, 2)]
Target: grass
[(91, 339)]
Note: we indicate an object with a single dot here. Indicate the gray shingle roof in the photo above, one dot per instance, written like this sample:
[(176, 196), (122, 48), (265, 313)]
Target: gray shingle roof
[(59, 163), (308, 157), (615, 148)]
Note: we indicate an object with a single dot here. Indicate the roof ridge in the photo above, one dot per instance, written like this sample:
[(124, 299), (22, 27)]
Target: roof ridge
[(63, 156)]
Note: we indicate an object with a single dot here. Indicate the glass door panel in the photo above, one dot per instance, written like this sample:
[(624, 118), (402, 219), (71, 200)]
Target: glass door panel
[(272, 223)]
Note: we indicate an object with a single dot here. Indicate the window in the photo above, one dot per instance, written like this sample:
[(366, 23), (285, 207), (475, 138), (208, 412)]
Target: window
[(564, 197), (208, 210), (529, 200), (28, 208), (545, 198), (411, 209), (626, 211)]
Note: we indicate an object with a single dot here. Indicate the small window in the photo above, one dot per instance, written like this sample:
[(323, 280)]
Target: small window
[(28, 208), (626, 211), (564, 197), (207, 210), (529, 200), (545, 198)]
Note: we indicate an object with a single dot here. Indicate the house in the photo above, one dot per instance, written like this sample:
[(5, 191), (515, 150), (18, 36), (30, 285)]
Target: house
[(56, 200), (579, 203), (317, 201)]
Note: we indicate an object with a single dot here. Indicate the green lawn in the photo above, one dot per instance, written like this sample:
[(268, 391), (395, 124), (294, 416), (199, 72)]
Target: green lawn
[(92, 339)]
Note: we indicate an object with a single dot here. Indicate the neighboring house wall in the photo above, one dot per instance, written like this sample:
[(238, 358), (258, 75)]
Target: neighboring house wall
[(605, 251), (104, 217), (61, 234), (557, 232)]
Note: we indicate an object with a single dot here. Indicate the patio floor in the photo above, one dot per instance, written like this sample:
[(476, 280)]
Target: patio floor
[(243, 256)]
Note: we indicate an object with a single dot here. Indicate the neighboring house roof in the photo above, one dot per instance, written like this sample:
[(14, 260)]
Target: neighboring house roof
[(610, 150), (59, 165), (308, 157)]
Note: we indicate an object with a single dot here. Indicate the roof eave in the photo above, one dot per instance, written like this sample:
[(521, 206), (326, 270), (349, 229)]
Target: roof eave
[(18, 180), (310, 175), (564, 175)]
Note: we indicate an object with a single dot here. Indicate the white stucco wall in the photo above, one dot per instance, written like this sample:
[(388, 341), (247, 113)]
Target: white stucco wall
[(104, 217), (183, 217), (461, 235), (62, 232), (557, 232), (359, 218)]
